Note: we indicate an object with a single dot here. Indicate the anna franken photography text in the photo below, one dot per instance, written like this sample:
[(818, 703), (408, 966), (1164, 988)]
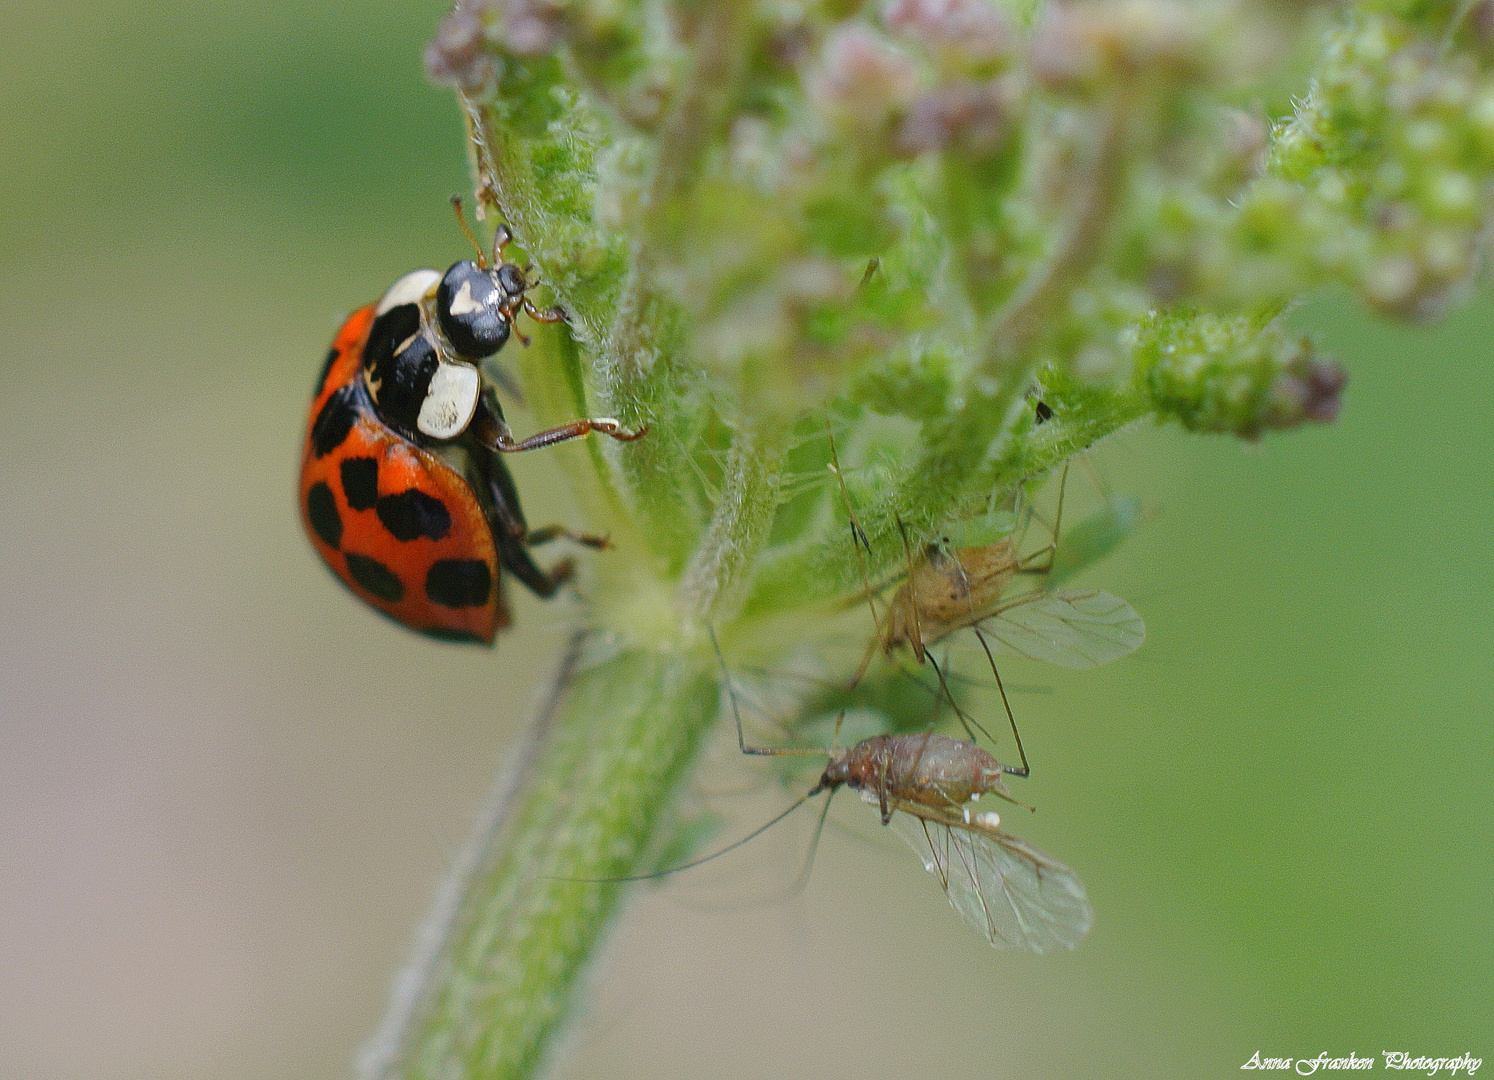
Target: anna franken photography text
[(1394, 1059)]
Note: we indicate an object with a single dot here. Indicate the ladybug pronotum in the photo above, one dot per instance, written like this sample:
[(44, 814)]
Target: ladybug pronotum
[(404, 491)]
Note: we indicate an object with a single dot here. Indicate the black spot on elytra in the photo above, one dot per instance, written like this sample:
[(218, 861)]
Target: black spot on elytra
[(413, 514), (459, 583), (326, 369), (321, 511), (360, 482), (375, 577), (1044, 413), (334, 422)]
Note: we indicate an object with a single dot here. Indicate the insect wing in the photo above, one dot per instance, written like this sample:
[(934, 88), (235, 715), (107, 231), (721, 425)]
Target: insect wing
[(1074, 629), (1014, 896)]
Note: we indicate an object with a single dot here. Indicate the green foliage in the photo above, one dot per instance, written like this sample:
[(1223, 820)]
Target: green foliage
[(908, 224)]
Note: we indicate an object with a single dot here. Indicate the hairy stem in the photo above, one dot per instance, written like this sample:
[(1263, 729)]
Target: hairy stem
[(528, 900)]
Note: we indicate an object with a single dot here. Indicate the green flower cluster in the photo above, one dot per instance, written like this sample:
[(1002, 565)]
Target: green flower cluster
[(970, 238)]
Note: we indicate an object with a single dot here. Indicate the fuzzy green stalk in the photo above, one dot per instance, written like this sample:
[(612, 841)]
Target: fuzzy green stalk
[(530, 899)]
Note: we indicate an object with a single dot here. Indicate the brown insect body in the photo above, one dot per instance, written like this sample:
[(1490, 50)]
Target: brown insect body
[(948, 590), (1014, 895), (899, 772)]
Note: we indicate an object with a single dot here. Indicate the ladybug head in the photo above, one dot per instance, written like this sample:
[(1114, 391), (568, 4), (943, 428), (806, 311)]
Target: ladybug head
[(476, 305)]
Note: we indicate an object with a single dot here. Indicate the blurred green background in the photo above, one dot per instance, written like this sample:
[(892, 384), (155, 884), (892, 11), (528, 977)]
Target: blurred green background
[(227, 792)]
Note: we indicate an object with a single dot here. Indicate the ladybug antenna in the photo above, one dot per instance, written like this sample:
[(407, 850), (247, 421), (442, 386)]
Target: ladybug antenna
[(456, 204)]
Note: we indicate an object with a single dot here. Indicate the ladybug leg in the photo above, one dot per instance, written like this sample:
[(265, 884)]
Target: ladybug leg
[(504, 511), (508, 517), (502, 237), (513, 553), (551, 314), (492, 431), (535, 537), (511, 534)]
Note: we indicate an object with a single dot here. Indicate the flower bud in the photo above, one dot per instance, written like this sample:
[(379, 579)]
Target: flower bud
[(962, 34), (862, 79)]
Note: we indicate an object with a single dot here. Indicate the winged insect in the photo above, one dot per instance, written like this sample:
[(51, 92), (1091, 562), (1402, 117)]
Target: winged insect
[(961, 581), (928, 785)]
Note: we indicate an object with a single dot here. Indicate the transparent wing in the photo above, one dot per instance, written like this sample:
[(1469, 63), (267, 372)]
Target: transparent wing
[(1073, 629), (1014, 896)]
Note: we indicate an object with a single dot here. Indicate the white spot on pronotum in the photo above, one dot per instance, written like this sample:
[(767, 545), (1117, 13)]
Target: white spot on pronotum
[(449, 402), (988, 819), (410, 289), (463, 303), (975, 797)]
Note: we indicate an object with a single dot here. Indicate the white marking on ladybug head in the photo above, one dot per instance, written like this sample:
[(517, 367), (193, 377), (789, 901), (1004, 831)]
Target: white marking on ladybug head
[(463, 303), (450, 401), (410, 289)]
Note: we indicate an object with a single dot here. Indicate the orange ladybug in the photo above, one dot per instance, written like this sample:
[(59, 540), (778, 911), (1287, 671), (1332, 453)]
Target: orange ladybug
[(404, 491)]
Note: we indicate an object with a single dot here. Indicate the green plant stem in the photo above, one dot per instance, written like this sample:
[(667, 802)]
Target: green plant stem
[(1089, 213), (694, 116), (528, 901), (743, 517)]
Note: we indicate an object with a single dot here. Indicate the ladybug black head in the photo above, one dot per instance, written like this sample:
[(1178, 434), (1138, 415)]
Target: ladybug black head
[(476, 306)]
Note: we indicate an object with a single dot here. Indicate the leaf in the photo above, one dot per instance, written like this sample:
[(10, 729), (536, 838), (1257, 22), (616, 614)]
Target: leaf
[(1092, 539)]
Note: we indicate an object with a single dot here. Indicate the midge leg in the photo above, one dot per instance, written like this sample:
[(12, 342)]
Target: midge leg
[(1029, 563), (764, 751)]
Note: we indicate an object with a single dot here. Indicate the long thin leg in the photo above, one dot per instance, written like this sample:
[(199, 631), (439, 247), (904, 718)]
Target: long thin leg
[(968, 722), (859, 540), (917, 642), (753, 835), (1051, 550), (1025, 770), (764, 751)]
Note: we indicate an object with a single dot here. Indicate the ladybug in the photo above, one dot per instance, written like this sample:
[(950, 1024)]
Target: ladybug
[(404, 491)]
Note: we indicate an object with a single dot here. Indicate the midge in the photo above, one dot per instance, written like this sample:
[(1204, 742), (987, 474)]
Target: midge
[(404, 491), (1015, 896), (960, 581)]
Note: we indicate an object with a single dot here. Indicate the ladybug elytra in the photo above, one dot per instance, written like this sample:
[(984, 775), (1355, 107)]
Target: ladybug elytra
[(404, 491)]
